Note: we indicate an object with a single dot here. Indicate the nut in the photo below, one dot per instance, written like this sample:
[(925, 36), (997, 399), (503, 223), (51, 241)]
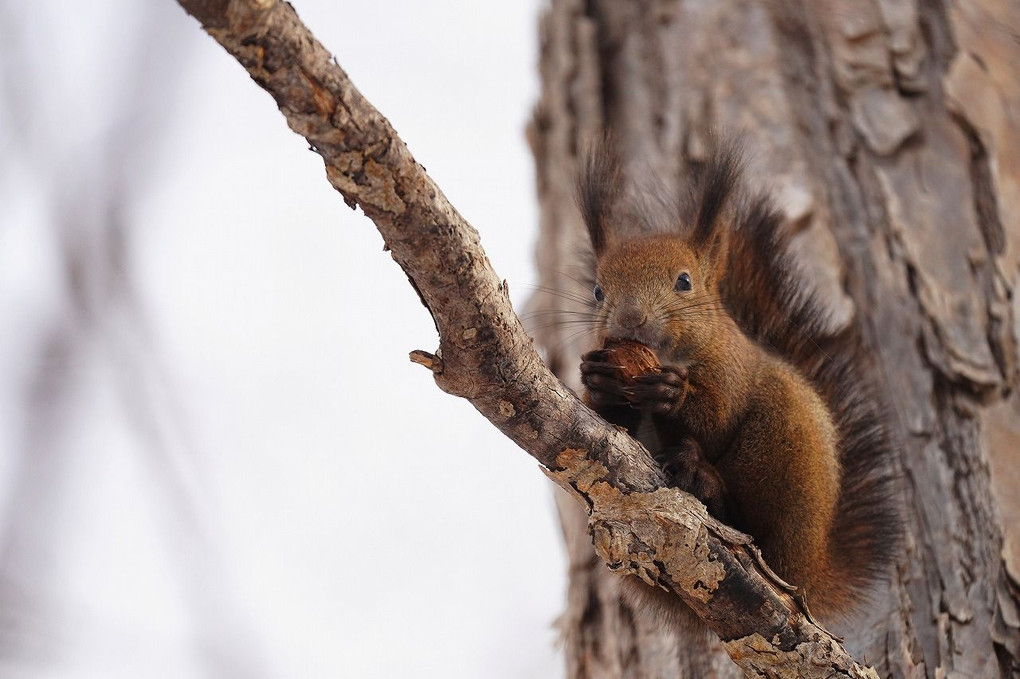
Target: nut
[(633, 358)]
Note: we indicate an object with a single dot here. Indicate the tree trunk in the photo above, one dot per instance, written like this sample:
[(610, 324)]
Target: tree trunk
[(887, 131)]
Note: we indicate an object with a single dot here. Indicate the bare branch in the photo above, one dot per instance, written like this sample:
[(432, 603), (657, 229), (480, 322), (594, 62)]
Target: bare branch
[(660, 534)]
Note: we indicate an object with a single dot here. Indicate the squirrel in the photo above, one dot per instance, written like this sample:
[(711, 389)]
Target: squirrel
[(757, 409)]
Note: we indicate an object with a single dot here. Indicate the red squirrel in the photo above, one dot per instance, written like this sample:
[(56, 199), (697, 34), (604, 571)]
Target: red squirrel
[(756, 410)]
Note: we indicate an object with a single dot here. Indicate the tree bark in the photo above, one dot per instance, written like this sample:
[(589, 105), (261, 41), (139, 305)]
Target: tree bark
[(887, 131)]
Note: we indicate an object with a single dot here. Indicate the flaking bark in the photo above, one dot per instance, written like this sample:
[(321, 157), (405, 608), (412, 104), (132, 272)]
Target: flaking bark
[(887, 131)]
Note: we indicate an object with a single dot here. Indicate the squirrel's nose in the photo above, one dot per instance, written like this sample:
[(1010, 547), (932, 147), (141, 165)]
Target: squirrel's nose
[(632, 319)]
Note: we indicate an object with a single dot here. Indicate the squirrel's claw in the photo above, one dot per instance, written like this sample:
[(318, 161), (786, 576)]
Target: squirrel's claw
[(690, 471), (660, 393), (604, 383)]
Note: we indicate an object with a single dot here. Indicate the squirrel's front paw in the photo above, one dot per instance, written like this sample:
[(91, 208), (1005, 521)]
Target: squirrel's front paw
[(661, 392), (605, 381), (688, 470)]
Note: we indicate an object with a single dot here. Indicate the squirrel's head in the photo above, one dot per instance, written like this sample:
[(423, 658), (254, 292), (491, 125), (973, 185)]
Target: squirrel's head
[(658, 265), (660, 290)]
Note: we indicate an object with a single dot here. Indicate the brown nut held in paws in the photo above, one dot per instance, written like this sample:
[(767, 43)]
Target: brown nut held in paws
[(633, 358)]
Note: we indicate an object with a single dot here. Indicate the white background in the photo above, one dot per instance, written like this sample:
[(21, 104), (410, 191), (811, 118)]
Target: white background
[(232, 469)]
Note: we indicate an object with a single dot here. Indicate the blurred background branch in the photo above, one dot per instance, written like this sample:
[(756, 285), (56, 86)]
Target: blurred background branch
[(175, 495), (94, 330)]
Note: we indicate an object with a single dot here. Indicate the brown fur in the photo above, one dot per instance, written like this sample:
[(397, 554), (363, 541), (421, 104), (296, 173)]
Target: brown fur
[(783, 429)]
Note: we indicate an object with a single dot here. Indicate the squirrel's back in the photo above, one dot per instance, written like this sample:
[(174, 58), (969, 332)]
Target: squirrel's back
[(766, 293)]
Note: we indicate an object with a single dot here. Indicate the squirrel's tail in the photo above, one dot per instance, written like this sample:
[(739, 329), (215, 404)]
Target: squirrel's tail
[(765, 292)]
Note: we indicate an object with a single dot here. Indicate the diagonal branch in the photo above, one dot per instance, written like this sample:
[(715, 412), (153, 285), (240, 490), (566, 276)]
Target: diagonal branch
[(661, 535)]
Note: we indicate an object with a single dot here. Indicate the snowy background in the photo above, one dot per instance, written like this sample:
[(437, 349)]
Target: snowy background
[(215, 457)]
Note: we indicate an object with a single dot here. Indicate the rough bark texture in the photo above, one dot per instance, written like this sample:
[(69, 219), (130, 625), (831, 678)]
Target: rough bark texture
[(658, 534), (888, 130)]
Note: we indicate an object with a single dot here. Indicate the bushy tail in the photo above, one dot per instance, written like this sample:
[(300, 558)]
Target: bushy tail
[(766, 293)]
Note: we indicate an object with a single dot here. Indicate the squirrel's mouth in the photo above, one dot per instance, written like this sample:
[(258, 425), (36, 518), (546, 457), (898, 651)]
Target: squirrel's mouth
[(646, 336), (664, 350), (661, 352)]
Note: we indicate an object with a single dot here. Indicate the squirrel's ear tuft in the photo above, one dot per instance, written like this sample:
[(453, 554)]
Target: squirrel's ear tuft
[(599, 186), (715, 185)]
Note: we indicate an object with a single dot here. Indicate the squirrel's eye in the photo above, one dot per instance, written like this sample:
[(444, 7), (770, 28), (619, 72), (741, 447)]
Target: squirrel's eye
[(683, 283), (598, 293)]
